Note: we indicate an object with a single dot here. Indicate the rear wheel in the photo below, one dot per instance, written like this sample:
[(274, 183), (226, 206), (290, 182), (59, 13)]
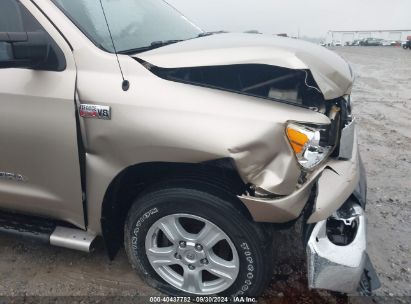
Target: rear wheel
[(192, 242)]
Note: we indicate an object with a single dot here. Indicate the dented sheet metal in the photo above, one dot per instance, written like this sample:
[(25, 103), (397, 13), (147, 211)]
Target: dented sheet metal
[(280, 210), (191, 124), (332, 74), (181, 124), (336, 181), (336, 184)]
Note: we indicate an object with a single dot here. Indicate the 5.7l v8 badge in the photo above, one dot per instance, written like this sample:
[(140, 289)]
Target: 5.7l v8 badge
[(95, 111)]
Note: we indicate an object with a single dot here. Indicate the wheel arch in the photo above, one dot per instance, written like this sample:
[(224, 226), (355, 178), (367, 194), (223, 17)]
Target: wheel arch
[(218, 175)]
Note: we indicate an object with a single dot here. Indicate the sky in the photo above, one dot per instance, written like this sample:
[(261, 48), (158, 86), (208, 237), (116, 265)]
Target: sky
[(312, 18)]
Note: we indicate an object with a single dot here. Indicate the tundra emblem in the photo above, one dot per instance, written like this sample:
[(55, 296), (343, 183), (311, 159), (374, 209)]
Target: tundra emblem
[(95, 111)]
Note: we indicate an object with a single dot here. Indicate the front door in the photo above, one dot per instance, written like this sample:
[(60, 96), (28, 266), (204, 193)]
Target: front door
[(39, 161)]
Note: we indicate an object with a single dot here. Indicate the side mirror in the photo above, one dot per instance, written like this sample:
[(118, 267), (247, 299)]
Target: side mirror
[(24, 49)]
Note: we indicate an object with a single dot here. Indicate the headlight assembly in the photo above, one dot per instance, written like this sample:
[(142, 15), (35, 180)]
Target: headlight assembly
[(308, 144)]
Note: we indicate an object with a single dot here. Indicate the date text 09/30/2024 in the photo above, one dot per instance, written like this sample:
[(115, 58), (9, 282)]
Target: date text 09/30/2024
[(201, 299)]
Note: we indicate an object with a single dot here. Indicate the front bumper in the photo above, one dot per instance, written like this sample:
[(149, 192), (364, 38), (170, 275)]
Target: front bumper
[(339, 264)]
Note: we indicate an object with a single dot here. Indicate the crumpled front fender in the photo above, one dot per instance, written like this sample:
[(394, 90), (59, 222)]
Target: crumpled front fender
[(336, 180)]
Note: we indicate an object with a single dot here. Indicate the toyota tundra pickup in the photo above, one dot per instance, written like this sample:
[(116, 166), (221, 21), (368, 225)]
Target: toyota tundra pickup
[(124, 120)]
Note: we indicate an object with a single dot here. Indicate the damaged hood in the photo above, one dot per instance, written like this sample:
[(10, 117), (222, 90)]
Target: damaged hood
[(332, 74)]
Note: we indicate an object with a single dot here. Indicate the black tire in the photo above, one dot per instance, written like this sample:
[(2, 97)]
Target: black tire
[(252, 243)]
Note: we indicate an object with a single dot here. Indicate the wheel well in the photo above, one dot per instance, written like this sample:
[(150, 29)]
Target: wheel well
[(220, 175)]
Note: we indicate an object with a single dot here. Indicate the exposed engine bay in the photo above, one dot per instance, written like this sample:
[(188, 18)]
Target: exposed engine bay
[(297, 87)]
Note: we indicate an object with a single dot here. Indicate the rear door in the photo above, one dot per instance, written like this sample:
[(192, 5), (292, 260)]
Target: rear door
[(39, 160)]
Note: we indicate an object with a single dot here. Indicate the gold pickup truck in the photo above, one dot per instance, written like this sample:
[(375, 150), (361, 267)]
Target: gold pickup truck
[(124, 120)]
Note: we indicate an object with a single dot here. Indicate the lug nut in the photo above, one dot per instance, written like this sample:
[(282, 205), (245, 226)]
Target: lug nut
[(191, 267), (177, 256), (199, 247), (183, 244), (204, 261)]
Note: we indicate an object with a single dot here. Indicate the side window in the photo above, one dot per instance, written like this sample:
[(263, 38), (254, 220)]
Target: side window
[(14, 17), (10, 16), (10, 21)]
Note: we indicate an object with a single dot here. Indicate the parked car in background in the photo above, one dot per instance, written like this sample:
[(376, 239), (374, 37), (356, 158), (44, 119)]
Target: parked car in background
[(371, 42), (407, 44), (355, 43), (391, 43), (338, 43)]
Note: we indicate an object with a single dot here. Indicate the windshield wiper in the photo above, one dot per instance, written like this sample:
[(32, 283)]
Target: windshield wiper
[(152, 46), (205, 34), (163, 43), (158, 44)]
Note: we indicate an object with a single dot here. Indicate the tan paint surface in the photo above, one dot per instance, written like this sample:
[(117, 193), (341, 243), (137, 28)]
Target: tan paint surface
[(38, 138), (158, 120), (280, 210), (182, 123)]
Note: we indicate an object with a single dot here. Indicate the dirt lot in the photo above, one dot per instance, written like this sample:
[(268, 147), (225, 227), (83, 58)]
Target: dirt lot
[(382, 103)]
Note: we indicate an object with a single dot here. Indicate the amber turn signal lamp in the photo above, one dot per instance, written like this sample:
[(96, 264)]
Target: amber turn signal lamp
[(297, 139)]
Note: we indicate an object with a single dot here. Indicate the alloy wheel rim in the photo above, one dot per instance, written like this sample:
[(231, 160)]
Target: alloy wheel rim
[(192, 254)]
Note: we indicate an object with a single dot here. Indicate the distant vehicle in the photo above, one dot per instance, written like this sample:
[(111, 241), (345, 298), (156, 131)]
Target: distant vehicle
[(355, 43), (391, 43), (406, 45), (338, 43), (371, 42)]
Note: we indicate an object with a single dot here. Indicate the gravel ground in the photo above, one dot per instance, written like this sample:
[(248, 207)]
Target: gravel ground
[(382, 104)]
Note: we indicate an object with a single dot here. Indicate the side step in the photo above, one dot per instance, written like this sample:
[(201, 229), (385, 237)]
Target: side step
[(46, 231), (72, 238)]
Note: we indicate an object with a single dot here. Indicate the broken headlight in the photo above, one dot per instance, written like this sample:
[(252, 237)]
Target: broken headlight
[(308, 144)]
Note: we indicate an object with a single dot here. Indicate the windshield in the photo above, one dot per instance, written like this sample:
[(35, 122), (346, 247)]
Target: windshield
[(134, 24)]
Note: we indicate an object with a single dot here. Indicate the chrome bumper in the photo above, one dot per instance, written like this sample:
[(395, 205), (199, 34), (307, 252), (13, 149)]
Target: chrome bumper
[(339, 267)]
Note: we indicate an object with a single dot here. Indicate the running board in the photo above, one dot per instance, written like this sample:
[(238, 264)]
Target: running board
[(72, 238), (46, 231)]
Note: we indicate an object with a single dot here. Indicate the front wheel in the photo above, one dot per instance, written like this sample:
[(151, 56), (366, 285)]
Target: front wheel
[(192, 242)]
